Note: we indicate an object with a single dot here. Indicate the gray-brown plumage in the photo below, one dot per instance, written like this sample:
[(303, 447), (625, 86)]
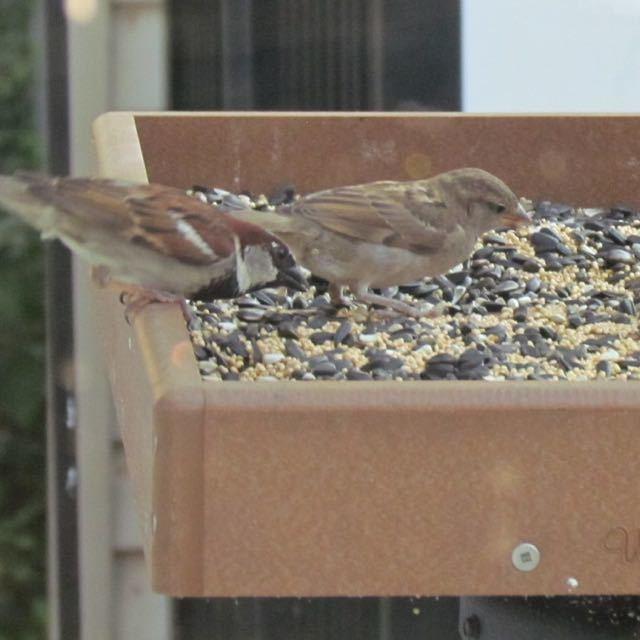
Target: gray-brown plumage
[(388, 233), (153, 240)]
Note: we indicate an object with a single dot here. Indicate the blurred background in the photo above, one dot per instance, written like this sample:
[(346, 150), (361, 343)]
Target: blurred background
[(62, 63)]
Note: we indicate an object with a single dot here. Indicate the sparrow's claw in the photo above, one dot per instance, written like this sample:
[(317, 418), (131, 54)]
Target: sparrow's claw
[(336, 294), (394, 307), (136, 301)]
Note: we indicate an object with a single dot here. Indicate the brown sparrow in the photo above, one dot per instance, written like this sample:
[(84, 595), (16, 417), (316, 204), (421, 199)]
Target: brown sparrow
[(155, 242), (389, 233)]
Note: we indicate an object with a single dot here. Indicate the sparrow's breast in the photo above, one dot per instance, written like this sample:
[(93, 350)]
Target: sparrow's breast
[(346, 261), (131, 264)]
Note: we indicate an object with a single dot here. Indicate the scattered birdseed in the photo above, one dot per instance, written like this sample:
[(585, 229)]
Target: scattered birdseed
[(555, 300)]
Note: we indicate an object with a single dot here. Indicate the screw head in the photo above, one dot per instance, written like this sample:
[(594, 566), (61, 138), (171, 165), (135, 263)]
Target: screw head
[(525, 557)]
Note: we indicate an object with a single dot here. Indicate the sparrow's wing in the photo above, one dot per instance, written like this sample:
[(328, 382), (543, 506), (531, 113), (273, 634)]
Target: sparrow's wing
[(406, 215), (94, 212)]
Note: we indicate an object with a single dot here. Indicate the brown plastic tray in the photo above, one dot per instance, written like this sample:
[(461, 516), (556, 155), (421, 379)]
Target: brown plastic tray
[(373, 488)]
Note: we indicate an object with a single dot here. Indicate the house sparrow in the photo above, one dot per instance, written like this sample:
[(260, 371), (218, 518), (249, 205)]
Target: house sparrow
[(155, 242), (389, 233)]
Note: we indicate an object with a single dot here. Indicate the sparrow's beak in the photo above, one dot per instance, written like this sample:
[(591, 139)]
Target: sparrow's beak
[(294, 278), (514, 219)]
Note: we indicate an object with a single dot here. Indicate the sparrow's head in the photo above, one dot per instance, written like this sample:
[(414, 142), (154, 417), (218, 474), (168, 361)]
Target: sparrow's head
[(488, 201), (269, 263)]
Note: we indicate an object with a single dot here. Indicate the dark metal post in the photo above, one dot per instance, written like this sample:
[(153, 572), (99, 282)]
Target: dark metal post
[(64, 619)]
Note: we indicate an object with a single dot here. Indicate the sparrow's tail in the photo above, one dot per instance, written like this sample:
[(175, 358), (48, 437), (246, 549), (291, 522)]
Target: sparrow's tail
[(18, 196)]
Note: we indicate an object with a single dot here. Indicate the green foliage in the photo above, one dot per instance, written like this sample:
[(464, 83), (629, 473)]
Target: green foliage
[(22, 433)]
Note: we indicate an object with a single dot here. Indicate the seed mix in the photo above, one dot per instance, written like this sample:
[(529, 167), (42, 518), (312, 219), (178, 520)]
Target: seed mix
[(555, 300)]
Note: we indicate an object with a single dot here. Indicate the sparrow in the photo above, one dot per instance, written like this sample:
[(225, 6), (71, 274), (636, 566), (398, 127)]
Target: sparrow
[(388, 233), (155, 242)]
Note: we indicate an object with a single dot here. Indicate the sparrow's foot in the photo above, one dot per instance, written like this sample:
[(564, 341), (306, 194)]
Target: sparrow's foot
[(337, 297), (394, 307), (136, 301)]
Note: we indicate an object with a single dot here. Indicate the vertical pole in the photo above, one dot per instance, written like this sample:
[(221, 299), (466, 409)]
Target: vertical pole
[(62, 531)]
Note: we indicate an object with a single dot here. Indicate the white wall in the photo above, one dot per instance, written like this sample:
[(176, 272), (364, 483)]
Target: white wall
[(551, 55)]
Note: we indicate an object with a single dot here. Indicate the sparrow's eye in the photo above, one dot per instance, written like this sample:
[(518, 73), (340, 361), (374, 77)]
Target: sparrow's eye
[(496, 207)]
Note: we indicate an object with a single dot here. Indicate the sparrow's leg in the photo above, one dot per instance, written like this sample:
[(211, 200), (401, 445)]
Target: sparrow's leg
[(336, 294), (135, 300), (368, 297)]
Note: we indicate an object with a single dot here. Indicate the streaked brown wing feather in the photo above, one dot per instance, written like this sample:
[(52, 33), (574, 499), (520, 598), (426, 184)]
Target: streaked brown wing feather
[(148, 215), (395, 214), (177, 225)]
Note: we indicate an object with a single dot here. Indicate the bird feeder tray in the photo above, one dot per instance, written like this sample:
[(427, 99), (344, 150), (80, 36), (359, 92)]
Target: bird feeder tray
[(362, 488)]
